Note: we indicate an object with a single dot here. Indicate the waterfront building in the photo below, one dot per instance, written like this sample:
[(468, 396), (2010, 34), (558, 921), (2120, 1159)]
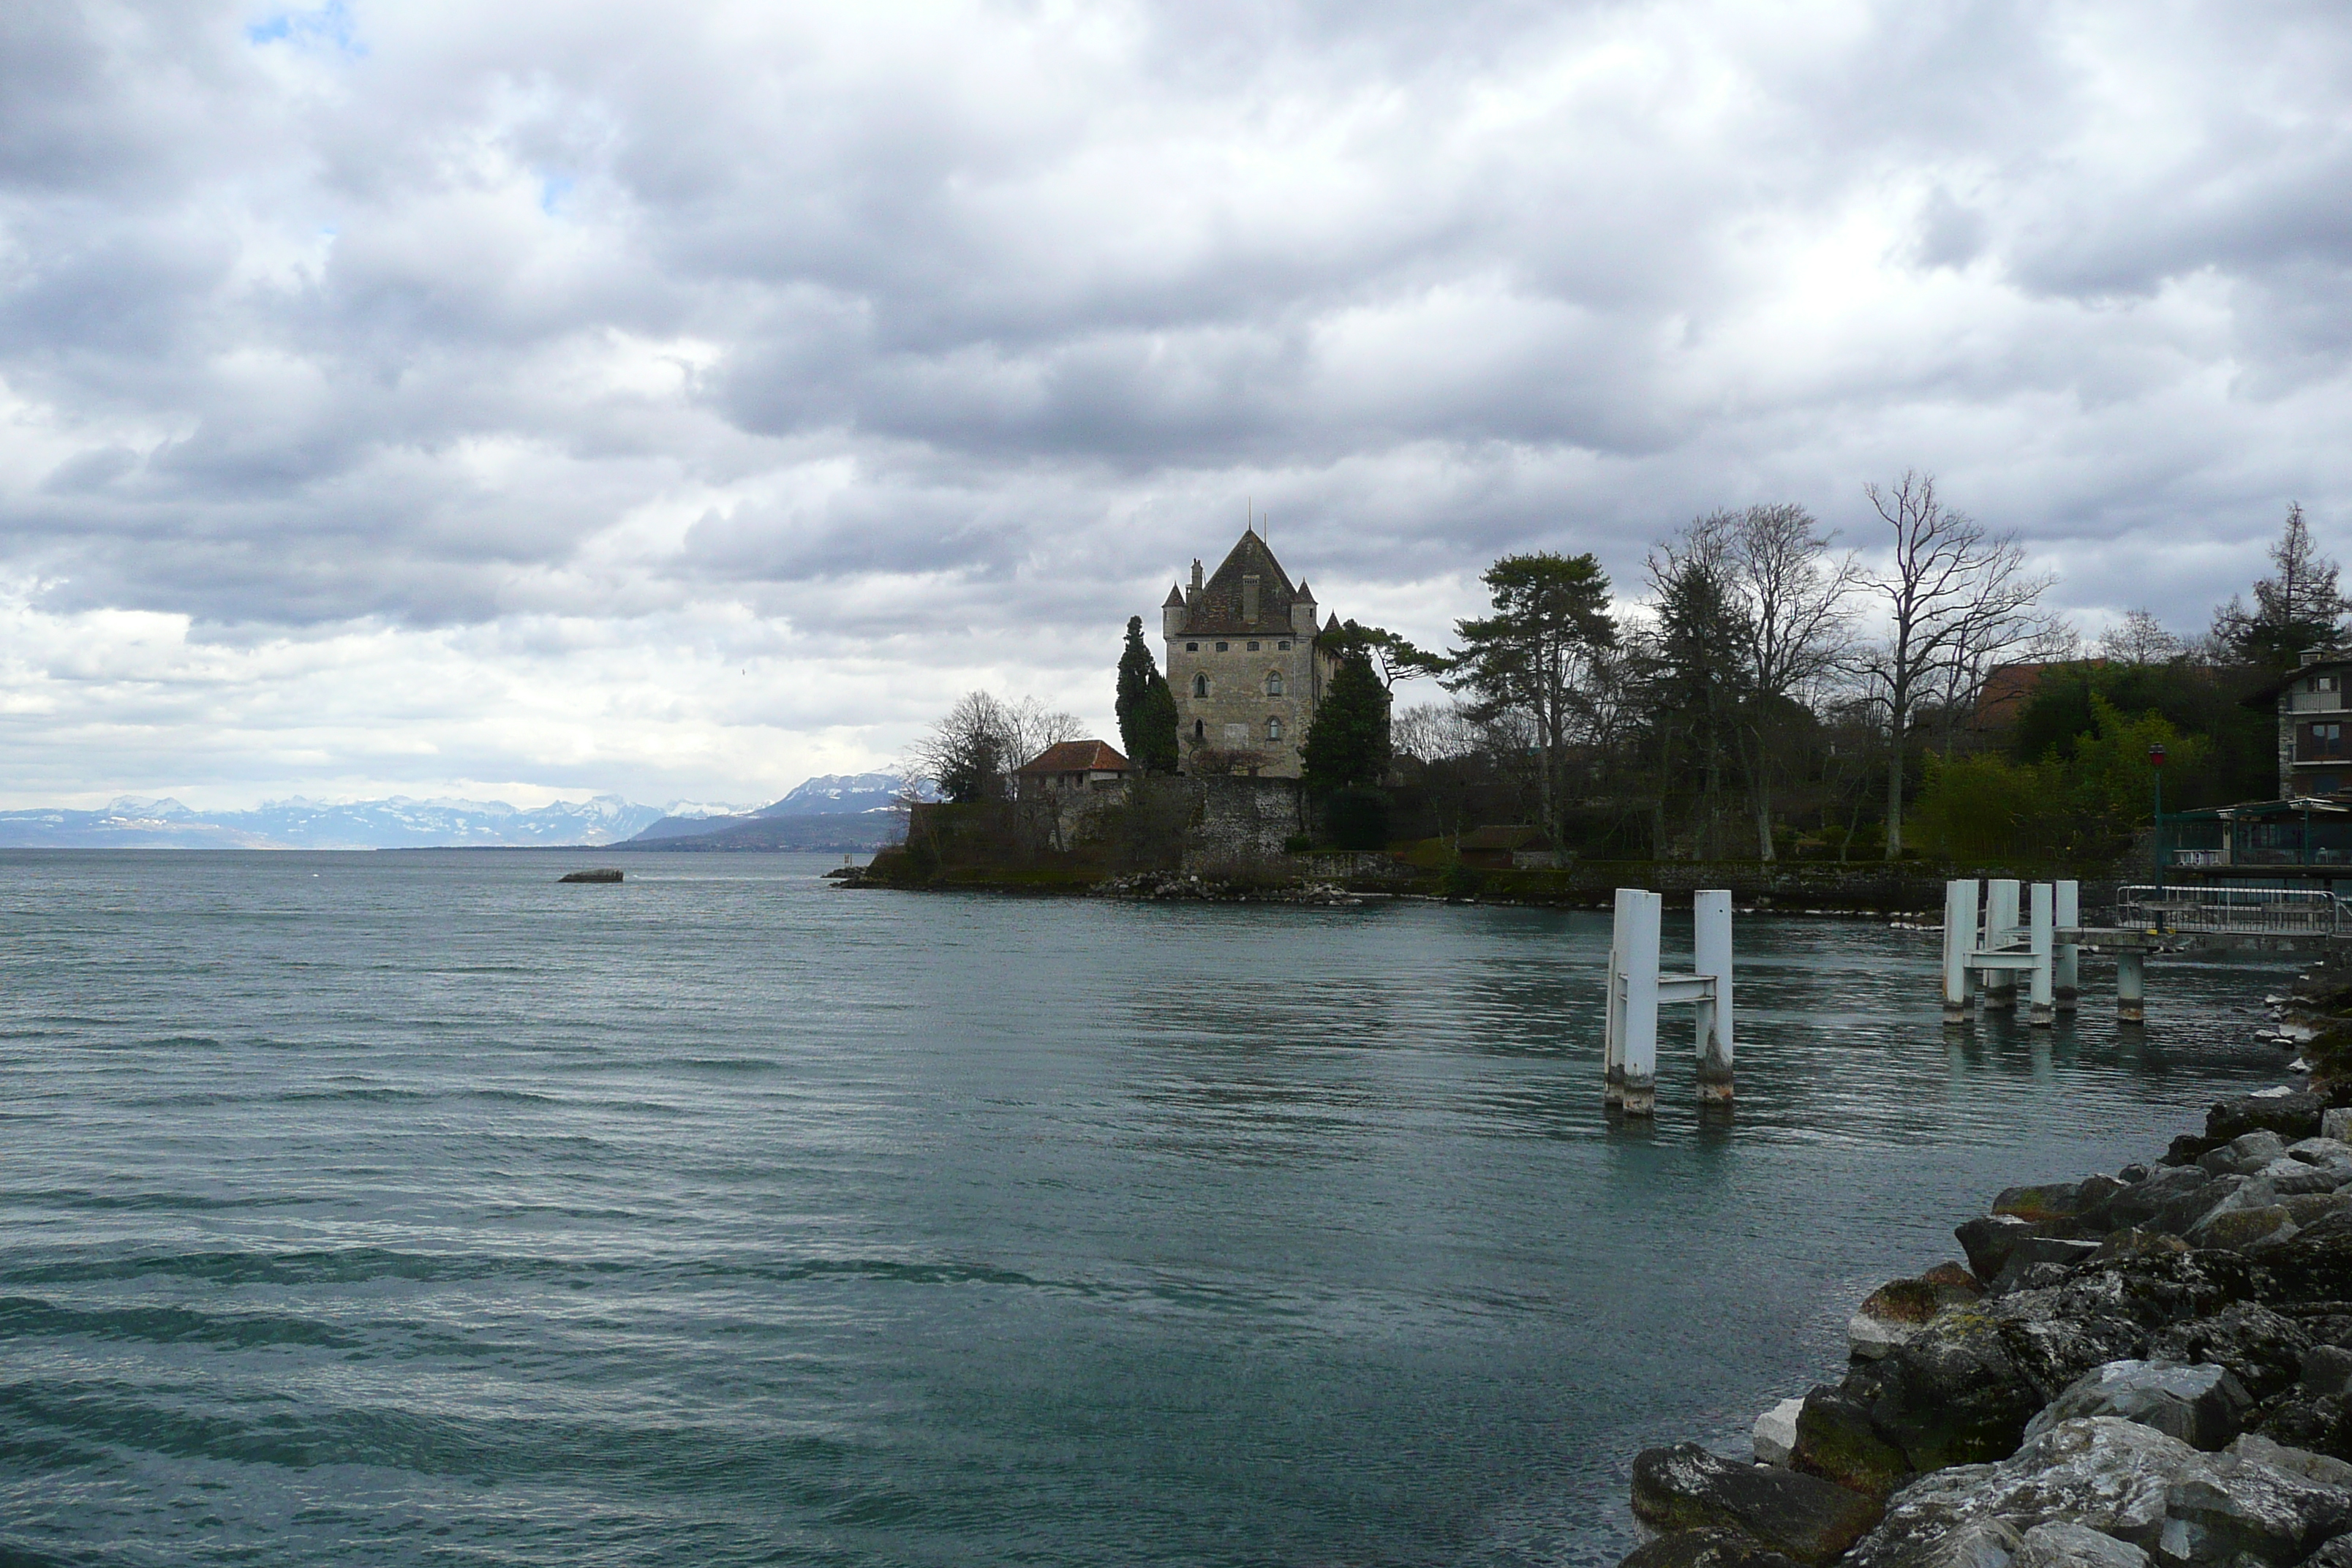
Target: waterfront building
[(1247, 665)]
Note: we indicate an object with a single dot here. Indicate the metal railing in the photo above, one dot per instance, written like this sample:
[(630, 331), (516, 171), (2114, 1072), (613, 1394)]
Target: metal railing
[(2248, 911)]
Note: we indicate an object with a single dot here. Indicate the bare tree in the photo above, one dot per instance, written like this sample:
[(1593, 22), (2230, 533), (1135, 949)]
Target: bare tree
[(1948, 586), (2140, 638), (973, 750), (1796, 604)]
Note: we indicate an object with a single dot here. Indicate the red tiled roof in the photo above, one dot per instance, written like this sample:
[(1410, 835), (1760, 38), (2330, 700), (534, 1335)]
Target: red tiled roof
[(1077, 757)]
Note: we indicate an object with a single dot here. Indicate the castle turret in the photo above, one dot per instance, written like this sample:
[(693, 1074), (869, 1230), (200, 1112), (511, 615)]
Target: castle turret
[(1302, 611), (1171, 613)]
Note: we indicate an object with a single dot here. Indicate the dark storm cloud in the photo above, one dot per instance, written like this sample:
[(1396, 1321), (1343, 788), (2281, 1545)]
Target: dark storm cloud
[(433, 315)]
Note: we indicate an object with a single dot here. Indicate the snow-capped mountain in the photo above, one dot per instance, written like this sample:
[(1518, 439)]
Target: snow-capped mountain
[(830, 795), (399, 823)]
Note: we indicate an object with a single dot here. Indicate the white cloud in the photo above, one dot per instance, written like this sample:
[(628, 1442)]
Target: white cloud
[(423, 393)]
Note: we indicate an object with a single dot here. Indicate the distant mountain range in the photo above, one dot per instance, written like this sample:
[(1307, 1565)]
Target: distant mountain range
[(833, 811), (841, 811)]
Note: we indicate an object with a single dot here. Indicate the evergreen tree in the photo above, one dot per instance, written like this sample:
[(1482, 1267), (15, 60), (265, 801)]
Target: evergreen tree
[(2297, 609), (1347, 746), (1534, 658), (1147, 708)]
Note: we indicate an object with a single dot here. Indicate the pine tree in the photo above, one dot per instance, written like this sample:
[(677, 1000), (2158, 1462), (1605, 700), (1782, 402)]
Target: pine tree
[(2295, 610), (1147, 708)]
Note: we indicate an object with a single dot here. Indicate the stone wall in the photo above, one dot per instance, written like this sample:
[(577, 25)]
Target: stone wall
[(1242, 822)]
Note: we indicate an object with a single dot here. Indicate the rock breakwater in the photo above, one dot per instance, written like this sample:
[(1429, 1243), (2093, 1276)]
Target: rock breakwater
[(2148, 1367)]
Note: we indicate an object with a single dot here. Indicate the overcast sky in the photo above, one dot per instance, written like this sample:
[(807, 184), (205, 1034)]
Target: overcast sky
[(680, 400)]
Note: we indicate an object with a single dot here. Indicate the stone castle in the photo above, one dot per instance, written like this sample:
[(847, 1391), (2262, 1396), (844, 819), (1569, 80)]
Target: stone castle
[(1246, 665)]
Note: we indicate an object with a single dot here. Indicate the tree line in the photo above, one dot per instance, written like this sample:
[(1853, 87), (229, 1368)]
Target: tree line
[(1767, 694)]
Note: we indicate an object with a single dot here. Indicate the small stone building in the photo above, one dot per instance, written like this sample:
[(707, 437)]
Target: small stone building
[(1069, 768), (1246, 665)]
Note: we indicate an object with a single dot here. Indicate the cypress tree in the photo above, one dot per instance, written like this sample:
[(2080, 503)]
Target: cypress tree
[(1147, 708)]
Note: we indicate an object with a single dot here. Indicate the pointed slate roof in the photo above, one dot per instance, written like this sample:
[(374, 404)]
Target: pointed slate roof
[(1175, 599), (1218, 610)]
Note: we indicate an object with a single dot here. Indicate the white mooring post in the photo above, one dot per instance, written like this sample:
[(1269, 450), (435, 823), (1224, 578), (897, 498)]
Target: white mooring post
[(1638, 1012), (2000, 931), (1637, 990), (2067, 962), (2131, 987), (1960, 944), (2042, 931), (1613, 1028), (1711, 960)]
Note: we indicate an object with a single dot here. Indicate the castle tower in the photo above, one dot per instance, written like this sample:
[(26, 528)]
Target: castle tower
[(1245, 664)]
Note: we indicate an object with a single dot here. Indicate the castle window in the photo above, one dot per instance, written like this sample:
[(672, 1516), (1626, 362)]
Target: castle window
[(1224, 646), (1284, 645), (1200, 731), (1274, 728), (1192, 648), (1274, 683), (1252, 647), (1200, 686)]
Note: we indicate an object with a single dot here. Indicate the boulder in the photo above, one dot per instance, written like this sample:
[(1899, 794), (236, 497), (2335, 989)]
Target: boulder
[(2336, 1553), (2337, 1123), (2263, 1350), (2290, 1176), (2137, 1243), (2203, 1405), (2314, 1423), (2185, 1207), (1989, 1238), (2120, 1479), (1775, 1433), (2293, 1115), (2066, 1251), (2311, 1466), (2245, 1230), (1891, 1315), (2326, 1369), (2049, 1201), (1704, 1549), (2140, 1203), (2308, 1209), (1837, 1440), (2228, 1504), (2323, 1150), (2059, 1544), (2244, 1155), (1810, 1519)]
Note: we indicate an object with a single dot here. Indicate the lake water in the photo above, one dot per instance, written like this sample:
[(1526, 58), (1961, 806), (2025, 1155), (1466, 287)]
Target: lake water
[(415, 1209)]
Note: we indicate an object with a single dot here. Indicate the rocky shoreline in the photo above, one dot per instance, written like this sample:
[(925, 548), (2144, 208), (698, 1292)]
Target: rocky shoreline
[(2151, 1367)]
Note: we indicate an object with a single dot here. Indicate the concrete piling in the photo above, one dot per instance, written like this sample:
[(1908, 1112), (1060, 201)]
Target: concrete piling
[(2001, 929), (2131, 987), (1638, 1014), (1613, 1028), (1711, 959), (1959, 941), (2066, 962), (2040, 934)]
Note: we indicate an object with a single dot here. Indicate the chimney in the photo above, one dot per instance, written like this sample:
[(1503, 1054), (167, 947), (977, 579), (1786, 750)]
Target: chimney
[(1193, 594), (1196, 573)]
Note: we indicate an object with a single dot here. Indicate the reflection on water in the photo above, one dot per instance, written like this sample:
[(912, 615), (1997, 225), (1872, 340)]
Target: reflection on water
[(412, 1207)]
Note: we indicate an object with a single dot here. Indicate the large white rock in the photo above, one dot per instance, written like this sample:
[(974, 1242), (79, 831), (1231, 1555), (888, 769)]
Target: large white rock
[(2184, 1508), (2200, 1405), (2337, 1123), (1776, 1431), (2061, 1545)]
